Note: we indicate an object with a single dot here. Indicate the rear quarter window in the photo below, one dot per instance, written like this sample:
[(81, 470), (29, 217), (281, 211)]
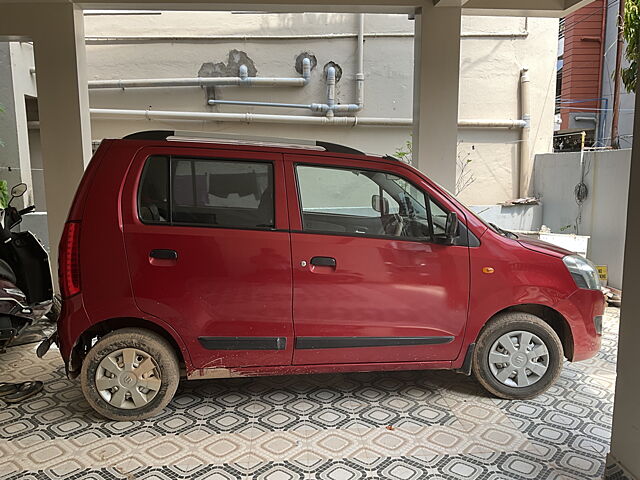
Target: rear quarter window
[(153, 194)]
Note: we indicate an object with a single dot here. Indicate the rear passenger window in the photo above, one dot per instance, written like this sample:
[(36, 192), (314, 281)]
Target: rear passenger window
[(218, 193)]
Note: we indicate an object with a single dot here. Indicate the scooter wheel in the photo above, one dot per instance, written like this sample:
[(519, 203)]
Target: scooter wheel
[(130, 374)]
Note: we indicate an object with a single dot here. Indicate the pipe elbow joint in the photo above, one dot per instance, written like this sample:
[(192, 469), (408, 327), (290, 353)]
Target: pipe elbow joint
[(306, 70), (331, 75)]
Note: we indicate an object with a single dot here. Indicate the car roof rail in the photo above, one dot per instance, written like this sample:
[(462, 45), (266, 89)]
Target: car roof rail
[(395, 159), (184, 136)]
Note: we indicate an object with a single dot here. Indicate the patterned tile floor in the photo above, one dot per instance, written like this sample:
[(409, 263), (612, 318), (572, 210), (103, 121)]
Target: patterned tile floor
[(403, 425)]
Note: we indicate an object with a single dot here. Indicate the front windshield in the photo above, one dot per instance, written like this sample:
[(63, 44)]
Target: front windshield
[(412, 201), (407, 197), (491, 226), (412, 195)]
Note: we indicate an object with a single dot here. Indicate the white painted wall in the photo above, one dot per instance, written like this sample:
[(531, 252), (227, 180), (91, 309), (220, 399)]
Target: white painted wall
[(604, 213), (490, 69)]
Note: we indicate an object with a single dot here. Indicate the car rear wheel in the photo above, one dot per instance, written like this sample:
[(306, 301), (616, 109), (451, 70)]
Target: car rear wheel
[(517, 356), (130, 374)]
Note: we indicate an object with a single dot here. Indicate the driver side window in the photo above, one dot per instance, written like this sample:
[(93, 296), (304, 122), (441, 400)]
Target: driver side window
[(349, 201)]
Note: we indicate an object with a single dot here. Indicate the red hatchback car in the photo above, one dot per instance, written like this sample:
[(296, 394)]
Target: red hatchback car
[(212, 258)]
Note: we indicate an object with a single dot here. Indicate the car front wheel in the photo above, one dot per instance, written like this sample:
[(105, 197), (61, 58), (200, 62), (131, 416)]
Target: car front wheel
[(517, 356), (130, 374)]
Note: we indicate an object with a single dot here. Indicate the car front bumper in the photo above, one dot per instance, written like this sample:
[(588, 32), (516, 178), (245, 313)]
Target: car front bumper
[(584, 311)]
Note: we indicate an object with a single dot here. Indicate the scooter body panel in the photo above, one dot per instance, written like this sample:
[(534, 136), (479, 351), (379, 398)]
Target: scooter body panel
[(30, 298)]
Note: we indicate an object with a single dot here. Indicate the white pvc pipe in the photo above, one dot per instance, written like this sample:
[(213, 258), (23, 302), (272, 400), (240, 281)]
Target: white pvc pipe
[(331, 107), (249, 117), (258, 104), (117, 40), (197, 82), (331, 90), (523, 183), (510, 124), (242, 80), (360, 72), (285, 119)]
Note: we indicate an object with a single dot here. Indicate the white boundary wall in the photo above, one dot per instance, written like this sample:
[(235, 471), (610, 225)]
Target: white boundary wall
[(604, 212)]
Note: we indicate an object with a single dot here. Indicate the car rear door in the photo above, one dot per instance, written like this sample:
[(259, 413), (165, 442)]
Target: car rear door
[(367, 289), (207, 241)]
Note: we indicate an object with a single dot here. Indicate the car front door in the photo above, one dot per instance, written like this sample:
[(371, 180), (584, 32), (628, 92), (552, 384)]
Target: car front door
[(207, 241), (372, 282)]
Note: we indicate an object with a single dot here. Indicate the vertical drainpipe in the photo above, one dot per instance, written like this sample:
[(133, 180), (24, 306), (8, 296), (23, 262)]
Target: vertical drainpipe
[(601, 113), (523, 185), (360, 72)]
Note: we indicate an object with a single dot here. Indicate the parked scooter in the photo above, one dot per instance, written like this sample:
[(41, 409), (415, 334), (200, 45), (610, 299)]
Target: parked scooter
[(26, 292)]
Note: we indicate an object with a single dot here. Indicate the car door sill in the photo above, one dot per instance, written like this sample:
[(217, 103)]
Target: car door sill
[(260, 371)]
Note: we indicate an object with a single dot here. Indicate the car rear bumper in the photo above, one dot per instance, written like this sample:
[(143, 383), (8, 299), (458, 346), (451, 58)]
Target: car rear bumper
[(72, 323), (583, 310)]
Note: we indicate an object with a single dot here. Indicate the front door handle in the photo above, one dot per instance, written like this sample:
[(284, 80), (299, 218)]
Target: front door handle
[(323, 261), (163, 254)]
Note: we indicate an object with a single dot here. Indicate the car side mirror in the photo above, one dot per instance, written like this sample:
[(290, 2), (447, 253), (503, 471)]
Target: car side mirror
[(380, 204), (451, 228)]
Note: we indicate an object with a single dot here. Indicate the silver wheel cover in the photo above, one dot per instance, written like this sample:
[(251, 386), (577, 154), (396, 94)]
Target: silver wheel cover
[(518, 359), (128, 378)]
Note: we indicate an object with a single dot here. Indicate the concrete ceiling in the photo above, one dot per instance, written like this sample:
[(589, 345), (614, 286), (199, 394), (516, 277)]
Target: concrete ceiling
[(533, 8)]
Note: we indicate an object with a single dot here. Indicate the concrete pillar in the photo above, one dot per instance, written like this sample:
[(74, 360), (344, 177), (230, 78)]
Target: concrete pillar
[(435, 92), (15, 83), (57, 30), (625, 436), (11, 122), (23, 84), (63, 105)]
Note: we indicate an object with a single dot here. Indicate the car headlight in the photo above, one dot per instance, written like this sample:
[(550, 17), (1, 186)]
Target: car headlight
[(584, 272)]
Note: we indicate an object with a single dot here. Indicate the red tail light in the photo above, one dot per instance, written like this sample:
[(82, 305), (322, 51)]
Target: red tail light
[(68, 261)]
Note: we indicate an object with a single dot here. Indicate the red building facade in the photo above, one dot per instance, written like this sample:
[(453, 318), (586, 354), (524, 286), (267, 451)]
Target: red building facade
[(582, 67)]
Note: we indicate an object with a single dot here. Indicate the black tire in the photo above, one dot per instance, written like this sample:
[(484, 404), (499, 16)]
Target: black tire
[(514, 322), (165, 362)]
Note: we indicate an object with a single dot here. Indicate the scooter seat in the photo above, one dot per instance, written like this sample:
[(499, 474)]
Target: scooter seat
[(6, 272)]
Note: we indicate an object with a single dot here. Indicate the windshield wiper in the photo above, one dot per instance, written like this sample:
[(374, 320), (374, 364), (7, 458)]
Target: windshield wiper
[(503, 232)]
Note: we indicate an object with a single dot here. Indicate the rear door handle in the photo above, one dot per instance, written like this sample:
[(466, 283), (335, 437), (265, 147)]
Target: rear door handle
[(163, 254), (323, 261)]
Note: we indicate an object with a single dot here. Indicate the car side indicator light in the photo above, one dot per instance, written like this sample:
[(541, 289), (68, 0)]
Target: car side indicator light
[(488, 270)]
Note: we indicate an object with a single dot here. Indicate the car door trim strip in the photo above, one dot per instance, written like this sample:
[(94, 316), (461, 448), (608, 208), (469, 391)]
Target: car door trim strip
[(313, 343), (243, 343)]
